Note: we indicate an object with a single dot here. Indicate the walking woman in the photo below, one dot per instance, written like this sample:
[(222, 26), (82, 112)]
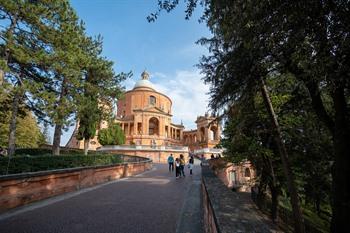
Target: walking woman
[(190, 164), (177, 168), (182, 165)]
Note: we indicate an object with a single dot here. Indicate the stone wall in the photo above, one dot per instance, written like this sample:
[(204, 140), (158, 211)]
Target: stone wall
[(157, 156), (226, 211), (244, 174), (20, 189)]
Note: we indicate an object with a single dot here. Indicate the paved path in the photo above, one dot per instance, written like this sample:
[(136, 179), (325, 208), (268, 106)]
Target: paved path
[(152, 202)]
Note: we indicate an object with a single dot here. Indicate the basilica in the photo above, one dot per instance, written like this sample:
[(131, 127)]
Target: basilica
[(145, 115)]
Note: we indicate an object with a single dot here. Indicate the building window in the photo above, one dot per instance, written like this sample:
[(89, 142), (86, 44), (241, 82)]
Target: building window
[(152, 100), (233, 177), (153, 126), (247, 172)]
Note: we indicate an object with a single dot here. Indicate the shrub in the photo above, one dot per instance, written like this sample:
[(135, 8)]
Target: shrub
[(46, 151), (113, 135), (20, 164)]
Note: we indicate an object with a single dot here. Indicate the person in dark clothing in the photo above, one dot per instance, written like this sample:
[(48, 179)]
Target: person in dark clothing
[(191, 164), (171, 163), (177, 168)]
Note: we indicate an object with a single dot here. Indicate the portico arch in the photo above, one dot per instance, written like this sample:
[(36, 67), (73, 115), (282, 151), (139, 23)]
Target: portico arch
[(153, 126), (213, 133)]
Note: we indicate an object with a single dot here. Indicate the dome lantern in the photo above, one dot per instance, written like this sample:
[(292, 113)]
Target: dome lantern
[(144, 81)]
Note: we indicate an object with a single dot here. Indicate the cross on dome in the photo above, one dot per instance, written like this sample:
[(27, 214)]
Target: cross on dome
[(145, 75)]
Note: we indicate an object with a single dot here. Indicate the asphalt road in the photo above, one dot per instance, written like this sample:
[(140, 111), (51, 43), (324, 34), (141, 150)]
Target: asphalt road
[(152, 202)]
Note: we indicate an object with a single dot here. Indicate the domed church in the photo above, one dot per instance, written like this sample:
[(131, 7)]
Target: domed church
[(145, 115)]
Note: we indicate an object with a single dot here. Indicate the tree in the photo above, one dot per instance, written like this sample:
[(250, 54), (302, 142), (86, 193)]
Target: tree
[(113, 135), (101, 87), (306, 39), (26, 52)]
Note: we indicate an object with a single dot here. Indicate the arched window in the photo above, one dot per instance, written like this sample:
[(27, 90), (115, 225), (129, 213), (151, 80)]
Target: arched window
[(186, 139), (202, 134), (247, 172), (213, 133), (152, 100), (153, 126)]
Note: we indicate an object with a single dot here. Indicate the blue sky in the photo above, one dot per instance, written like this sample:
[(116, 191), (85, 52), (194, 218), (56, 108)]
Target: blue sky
[(165, 48)]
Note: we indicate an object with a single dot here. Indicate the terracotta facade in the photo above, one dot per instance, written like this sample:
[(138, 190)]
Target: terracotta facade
[(145, 115)]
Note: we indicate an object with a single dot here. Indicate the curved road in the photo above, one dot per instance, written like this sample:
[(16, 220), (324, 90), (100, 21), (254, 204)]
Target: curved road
[(151, 202)]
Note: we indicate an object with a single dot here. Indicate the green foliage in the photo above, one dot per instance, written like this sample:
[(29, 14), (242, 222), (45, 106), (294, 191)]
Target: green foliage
[(301, 49), (43, 151), (27, 131), (48, 58), (113, 135), (21, 164)]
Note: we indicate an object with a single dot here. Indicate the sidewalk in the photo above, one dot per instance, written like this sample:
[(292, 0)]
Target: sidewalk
[(152, 202)]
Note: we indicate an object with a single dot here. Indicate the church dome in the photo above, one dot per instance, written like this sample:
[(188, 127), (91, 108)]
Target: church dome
[(144, 81)]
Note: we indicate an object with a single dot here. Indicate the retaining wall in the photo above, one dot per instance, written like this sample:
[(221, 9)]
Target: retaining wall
[(20, 189), (226, 211)]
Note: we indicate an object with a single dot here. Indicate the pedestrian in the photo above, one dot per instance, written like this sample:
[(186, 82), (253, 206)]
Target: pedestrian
[(182, 165), (191, 164), (171, 163), (177, 168)]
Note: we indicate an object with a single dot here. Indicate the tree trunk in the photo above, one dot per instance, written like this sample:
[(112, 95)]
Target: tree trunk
[(2, 77), (57, 140), (274, 192), (58, 127), (86, 145), (16, 98), (274, 202), (341, 169), (261, 197), (13, 123), (297, 215)]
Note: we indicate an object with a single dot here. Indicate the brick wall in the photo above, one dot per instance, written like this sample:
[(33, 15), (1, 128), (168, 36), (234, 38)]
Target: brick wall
[(20, 189)]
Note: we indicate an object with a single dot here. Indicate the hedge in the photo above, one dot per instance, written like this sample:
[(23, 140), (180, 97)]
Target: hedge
[(45, 151), (21, 164)]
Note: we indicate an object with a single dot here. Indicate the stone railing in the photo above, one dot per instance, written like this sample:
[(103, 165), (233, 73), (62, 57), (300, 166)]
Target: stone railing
[(20, 189), (226, 211), (209, 150), (144, 147)]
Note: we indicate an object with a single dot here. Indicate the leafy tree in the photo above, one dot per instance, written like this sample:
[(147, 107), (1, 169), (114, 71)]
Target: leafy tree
[(101, 87), (113, 135), (26, 52), (309, 40), (27, 131)]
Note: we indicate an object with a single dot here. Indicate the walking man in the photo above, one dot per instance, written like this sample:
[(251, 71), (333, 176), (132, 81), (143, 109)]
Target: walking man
[(171, 163)]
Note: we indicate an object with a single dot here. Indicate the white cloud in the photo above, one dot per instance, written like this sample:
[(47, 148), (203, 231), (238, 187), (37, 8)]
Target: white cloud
[(129, 84), (188, 94)]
